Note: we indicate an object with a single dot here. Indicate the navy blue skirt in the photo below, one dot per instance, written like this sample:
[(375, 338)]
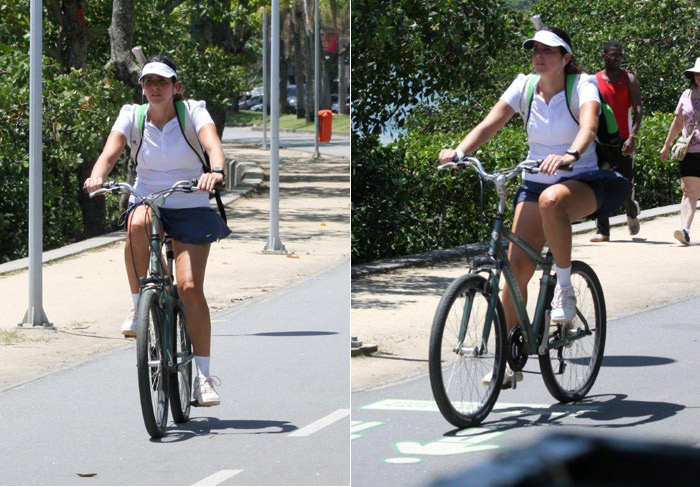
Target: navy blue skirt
[(610, 189), (192, 225)]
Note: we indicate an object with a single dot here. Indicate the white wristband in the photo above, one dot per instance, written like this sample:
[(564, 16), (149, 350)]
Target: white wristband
[(460, 154)]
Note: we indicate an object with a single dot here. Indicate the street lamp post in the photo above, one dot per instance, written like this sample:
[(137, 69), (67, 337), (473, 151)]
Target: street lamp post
[(35, 312)]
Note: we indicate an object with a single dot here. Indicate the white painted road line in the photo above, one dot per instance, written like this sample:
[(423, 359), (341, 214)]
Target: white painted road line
[(321, 423), (218, 477)]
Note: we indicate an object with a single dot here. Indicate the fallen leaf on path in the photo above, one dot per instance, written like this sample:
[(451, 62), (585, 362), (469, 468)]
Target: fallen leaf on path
[(292, 256), (87, 474), (323, 225), (264, 290)]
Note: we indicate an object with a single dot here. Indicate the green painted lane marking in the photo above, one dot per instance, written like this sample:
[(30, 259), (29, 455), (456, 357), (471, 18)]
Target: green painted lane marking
[(470, 440), (359, 427)]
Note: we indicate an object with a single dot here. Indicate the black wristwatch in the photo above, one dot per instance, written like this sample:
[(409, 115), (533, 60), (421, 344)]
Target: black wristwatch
[(219, 170), (574, 152)]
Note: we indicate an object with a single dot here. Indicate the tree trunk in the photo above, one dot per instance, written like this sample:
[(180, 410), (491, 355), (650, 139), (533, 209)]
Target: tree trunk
[(309, 77), (342, 87), (121, 37), (74, 27), (299, 74), (93, 209)]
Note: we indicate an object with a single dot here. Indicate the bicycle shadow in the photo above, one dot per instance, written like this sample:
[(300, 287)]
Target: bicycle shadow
[(206, 426), (594, 412)]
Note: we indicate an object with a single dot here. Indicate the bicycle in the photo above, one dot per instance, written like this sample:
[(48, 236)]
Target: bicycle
[(163, 348), (468, 336)]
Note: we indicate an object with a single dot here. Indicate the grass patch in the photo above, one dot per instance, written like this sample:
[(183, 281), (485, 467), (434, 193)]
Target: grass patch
[(246, 118), (9, 337)]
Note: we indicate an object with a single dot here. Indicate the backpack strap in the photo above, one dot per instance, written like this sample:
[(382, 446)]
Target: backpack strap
[(526, 97), (189, 131), (572, 95)]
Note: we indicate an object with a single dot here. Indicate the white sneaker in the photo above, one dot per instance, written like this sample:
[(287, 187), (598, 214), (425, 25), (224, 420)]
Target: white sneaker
[(204, 393), (563, 304), (130, 326), (510, 378)]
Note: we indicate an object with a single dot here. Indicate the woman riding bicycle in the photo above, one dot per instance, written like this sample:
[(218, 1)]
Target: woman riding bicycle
[(164, 158), (547, 203)]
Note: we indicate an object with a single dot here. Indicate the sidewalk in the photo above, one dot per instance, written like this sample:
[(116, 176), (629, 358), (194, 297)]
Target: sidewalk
[(393, 302), (86, 296)]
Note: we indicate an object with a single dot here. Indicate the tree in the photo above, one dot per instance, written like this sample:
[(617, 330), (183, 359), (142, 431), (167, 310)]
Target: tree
[(408, 50)]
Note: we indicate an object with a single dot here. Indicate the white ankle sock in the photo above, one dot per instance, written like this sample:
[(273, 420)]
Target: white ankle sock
[(135, 299), (563, 276), (202, 364)]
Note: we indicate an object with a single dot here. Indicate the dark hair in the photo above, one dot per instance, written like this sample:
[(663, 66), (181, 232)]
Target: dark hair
[(692, 84), (159, 58), (572, 67), (612, 44)]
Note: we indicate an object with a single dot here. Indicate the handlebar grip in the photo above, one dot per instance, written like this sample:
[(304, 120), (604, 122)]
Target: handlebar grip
[(220, 185)]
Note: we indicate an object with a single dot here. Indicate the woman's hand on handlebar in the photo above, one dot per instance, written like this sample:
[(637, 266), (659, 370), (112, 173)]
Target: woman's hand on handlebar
[(554, 162), (447, 155), (209, 180), (93, 184)]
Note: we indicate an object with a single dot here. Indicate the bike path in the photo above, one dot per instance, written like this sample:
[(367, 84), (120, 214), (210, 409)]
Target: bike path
[(283, 420), (644, 391)]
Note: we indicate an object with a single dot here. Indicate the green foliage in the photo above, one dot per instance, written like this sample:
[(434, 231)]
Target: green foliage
[(406, 51), (401, 206), (660, 40), (75, 108)]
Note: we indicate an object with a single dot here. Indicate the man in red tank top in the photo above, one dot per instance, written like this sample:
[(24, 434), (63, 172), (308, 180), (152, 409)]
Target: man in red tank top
[(620, 89)]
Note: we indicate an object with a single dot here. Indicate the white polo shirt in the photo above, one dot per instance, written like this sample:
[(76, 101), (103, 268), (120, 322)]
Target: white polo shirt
[(165, 156), (551, 129)]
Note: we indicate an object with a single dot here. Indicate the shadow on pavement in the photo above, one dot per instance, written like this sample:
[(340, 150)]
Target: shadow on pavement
[(634, 361), (215, 426)]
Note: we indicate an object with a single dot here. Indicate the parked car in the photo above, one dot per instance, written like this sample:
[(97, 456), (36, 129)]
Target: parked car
[(334, 106), (257, 108), (247, 103)]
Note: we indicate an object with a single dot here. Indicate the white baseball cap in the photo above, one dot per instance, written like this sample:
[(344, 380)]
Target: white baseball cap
[(160, 69), (548, 38)]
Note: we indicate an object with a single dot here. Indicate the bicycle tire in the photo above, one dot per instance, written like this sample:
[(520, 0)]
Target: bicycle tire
[(451, 382), (150, 361), (570, 371), (181, 380)]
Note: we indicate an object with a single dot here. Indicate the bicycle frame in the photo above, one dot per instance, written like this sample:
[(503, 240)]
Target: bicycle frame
[(497, 262), (160, 279)]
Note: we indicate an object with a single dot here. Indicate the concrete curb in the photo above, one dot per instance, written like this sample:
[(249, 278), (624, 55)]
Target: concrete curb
[(256, 128), (248, 183), (427, 258)]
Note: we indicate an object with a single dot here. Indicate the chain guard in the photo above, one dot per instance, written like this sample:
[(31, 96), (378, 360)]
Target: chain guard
[(517, 356)]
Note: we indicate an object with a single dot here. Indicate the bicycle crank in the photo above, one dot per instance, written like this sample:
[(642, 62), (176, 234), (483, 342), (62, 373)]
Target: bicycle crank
[(517, 355)]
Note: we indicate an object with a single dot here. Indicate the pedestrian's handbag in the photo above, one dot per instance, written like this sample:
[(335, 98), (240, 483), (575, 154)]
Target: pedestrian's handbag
[(680, 148)]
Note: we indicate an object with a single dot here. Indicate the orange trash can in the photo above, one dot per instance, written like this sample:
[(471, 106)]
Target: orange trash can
[(325, 125)]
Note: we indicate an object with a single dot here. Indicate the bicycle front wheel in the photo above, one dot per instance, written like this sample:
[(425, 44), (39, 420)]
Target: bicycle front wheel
[(462, 353), (152, 375), (570, 370), (181, 380)]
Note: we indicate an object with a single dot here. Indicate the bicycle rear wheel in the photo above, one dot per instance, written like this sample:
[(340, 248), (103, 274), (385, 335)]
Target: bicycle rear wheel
[(457, 366), (569, 371), (181, 380), (153, 383)]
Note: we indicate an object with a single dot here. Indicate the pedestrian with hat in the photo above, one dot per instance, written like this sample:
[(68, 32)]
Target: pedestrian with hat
[(687, 121)]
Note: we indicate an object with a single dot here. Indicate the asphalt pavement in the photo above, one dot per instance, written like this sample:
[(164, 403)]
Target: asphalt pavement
[(644, 392), (283, 419)]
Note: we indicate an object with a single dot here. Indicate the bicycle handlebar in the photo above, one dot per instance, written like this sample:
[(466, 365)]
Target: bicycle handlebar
[(529, 165), (186, 186)]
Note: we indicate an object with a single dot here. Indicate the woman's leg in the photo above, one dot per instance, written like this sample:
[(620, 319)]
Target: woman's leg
[(190, 265), (691, 191), (560, 205), (136, 250), (527, 224)]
